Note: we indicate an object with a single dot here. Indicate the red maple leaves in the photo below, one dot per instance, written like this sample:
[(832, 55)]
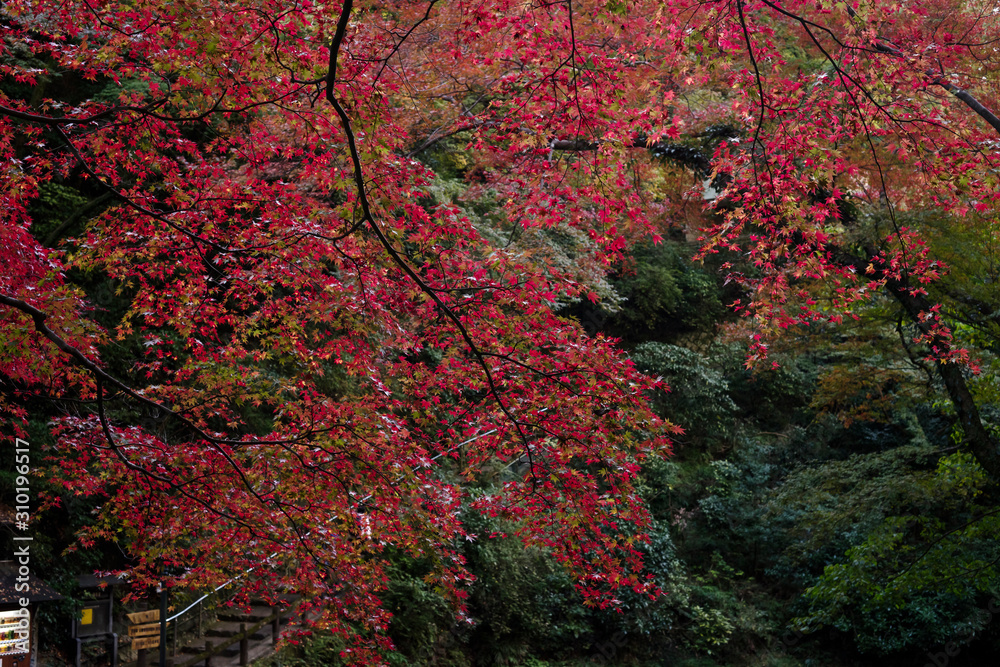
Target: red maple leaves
[(316, 322)]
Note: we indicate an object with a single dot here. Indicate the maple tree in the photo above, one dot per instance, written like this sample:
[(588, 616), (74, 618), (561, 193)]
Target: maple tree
[(336, 357)]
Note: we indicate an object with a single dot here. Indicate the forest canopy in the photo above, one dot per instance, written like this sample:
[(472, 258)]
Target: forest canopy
[(318, 289)]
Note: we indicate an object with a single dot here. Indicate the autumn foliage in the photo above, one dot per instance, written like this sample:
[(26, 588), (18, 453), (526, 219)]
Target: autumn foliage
[(333, 361)]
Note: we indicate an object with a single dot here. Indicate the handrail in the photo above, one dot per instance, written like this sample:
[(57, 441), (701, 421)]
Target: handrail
[(229, 641), (363, 500), (205, 597)]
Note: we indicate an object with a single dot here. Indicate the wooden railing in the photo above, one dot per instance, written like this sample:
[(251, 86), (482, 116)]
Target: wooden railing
[(243, 638)]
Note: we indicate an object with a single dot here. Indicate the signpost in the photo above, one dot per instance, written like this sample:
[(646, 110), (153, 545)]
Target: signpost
[(144, 629), (163, 625), (144, 617), (146, 642)]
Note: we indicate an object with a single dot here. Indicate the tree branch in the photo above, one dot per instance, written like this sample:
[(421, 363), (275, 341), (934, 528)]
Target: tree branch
[(979, 441), (368, 216)]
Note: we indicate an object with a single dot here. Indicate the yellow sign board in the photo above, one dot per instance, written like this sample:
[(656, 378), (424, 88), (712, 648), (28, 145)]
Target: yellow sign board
[(87, 617), (144, 630), (144, 616), (146, 642)]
